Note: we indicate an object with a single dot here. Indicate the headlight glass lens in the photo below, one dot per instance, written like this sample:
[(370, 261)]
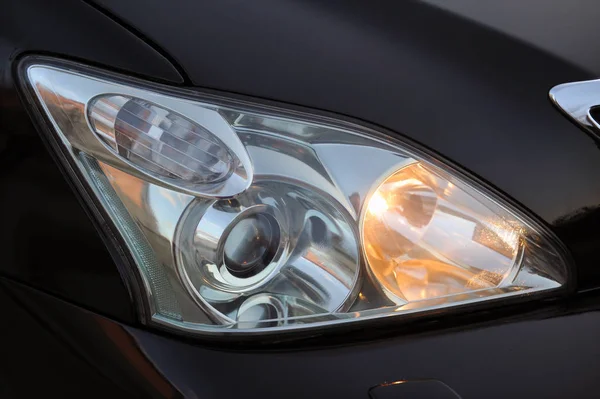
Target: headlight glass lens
[(241, 217)]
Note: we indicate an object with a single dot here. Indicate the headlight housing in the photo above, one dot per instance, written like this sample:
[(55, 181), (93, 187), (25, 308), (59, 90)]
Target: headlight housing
[(242, 217)]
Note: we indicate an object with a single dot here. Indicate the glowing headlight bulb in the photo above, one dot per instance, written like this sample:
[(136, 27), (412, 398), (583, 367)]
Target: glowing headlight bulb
[(425, 238)]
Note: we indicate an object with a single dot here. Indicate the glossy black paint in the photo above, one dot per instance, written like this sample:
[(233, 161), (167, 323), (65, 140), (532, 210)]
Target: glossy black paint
[(467, 92), (551, 354), (49, 349), (418, 389)]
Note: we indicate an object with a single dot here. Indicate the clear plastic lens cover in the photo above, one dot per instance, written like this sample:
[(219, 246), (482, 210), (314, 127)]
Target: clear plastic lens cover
[(242, 217), (159, 140)]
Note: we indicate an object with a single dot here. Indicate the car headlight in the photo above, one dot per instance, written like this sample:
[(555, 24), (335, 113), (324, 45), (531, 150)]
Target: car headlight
[(241, 216)]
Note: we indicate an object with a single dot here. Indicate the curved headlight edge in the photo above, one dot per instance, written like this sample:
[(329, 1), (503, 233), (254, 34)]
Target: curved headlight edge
[(245, 219)]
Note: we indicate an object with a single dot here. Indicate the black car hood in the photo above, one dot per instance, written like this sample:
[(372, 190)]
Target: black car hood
[(566, 29), (473, 89)]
